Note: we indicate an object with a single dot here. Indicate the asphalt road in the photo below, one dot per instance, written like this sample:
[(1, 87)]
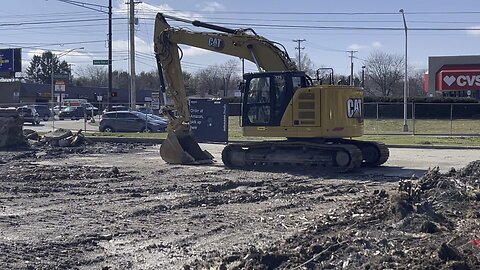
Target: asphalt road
[(74, 125)]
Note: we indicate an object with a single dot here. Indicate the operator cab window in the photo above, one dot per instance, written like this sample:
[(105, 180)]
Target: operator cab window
[(259, 99), (259, 91), (297, 82)]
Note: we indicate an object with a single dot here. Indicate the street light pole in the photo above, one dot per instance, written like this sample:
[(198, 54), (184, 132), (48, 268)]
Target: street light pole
[(405, 82), (363, 76), (52, 80)]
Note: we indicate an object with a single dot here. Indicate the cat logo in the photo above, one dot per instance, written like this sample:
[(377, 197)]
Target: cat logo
[(354, 108), (216, 43)]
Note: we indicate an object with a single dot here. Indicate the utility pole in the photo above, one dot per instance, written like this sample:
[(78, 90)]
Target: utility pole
[(405, 82), (109, 92), (133, 92), (299, 48), (351, 66)]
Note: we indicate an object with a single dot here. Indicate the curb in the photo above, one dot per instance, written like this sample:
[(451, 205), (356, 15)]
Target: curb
[(125, 140), (160, 141)]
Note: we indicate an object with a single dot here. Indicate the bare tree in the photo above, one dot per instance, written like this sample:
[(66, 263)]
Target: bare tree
[(416, 82), (208, 81), (307, 65), (94, 76), (216, 80), (384, 74), (148, 80)]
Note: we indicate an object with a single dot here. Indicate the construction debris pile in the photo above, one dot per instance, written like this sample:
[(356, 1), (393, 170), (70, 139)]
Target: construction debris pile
[(11, 129), (430, 223), (60, 137)]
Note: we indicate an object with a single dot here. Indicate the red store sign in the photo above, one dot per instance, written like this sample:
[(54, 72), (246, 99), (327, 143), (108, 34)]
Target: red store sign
[(455, 79)]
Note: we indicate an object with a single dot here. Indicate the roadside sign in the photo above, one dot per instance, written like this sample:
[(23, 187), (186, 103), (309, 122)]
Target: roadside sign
[(61, 76), (59, 86), (100, 62), (209, 120), (155, 103), (99, 98)]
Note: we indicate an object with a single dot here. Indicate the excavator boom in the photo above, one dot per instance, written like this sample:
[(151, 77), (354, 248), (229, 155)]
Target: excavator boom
[(180, 147)]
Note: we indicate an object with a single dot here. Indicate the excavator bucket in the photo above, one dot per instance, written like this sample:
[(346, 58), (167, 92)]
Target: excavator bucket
[(182, 148)]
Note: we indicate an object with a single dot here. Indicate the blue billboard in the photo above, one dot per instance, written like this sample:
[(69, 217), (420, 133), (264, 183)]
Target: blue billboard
[(10, 62)]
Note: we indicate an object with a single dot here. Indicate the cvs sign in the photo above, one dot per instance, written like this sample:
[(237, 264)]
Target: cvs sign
[(459, 80)]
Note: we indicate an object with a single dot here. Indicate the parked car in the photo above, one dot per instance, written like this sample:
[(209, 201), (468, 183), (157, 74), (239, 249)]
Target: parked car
[(73, 113), (91, 109), (158, 118), (116, 108), (43, 111), (145, 110), (29, 114), (130, 121)]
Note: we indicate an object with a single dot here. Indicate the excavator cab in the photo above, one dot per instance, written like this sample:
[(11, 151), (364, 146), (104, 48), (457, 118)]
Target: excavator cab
[(266, 96)]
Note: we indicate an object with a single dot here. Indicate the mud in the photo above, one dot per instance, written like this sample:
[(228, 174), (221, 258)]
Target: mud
[(118, 206)]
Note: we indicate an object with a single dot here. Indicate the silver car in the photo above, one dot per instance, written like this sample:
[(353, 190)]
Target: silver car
[(130, 121)]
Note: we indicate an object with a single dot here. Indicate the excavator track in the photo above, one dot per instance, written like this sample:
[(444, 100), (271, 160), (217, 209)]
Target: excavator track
[(374, 153), (282, 154)]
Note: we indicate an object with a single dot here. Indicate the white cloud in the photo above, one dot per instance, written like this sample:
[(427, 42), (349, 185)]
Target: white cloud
[(150, 11), (72, 57), (474, 30), (377, 44), (358, 47), (140, 46), (210, 6)]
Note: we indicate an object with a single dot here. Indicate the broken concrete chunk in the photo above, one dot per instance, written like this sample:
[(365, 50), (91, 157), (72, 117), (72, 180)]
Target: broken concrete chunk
[(58, 134), (31, 134), (65, 142)]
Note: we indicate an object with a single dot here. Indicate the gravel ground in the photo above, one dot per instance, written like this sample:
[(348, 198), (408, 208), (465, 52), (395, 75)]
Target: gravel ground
[(118, 206)]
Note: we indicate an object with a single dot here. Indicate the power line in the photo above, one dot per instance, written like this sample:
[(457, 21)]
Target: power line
[(326, 13)]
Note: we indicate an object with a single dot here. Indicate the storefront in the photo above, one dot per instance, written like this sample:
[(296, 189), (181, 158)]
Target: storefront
[(454, 76)]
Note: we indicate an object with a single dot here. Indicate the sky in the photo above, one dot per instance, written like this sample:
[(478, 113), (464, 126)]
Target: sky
[(330, 29)]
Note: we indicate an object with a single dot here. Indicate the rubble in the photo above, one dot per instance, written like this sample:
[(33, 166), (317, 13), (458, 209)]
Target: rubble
[(11, 124), (65, 138), (407, 228)]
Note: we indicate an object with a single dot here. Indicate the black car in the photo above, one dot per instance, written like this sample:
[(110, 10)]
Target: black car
[(130, 121), (73, 113), (43, 111), (29, 115)]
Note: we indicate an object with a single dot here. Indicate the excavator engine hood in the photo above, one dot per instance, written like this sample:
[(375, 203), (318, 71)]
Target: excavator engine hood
[(180, 147)]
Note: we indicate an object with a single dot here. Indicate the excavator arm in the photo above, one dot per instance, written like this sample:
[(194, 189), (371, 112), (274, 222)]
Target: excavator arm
[(180, 147)]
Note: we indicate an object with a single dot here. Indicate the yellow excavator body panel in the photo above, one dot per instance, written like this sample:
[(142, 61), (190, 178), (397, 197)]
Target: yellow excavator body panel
[(322, 111)]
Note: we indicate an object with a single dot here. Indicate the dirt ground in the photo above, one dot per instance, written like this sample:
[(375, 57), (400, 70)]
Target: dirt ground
[(119, 206)]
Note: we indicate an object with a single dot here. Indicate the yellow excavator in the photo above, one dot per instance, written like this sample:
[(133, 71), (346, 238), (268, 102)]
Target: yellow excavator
[(277, 101)]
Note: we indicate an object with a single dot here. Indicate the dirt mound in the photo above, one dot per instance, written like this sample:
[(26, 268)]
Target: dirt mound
[(429, 223)]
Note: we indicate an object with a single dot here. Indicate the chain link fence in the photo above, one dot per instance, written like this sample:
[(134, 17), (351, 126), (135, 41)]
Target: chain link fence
[(48, 117), (445, 119), (442, 119)]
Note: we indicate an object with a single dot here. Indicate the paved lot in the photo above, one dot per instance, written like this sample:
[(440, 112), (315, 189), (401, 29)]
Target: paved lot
[(50, 125)]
